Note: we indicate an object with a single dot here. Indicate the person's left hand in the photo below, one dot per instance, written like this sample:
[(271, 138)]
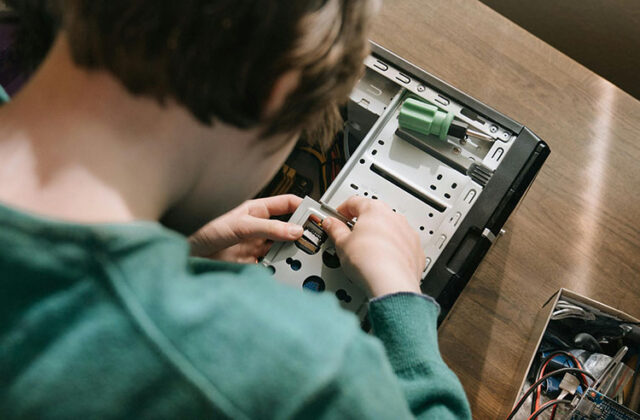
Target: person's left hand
[(245, 233)]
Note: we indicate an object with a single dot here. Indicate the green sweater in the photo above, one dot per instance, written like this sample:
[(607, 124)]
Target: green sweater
[(116, 321)]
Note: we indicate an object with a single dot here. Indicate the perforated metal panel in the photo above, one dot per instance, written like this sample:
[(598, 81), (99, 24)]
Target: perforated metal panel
[(434, 183)]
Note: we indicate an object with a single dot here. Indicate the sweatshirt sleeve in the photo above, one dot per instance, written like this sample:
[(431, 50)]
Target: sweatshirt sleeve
[(406, 323), (410, 380)]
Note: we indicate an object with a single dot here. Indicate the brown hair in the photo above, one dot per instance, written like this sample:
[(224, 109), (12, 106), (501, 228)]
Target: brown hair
[(221, 58)]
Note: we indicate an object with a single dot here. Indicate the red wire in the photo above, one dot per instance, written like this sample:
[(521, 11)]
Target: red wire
[(578, 365), (553, 410), (541, 375)]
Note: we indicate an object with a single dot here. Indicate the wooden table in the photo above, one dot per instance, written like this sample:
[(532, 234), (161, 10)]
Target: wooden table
[(579, 226)]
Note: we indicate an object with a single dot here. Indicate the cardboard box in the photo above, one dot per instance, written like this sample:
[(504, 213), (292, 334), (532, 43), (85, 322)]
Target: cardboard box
[(540, 328)]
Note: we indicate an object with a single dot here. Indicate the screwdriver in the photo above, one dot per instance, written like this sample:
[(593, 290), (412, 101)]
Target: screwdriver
[(427, 119)]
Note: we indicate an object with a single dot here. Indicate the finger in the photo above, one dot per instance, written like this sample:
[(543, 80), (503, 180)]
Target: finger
[(354, 206), (275, 230), (263, 249), (255, 248), (276, 205), (336, 230), (245, 252)]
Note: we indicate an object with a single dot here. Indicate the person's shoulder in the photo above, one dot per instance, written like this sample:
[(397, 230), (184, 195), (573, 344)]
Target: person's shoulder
[(248, 335)]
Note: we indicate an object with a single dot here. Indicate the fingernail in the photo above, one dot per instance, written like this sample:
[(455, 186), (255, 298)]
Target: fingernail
[(326, 223), (295, 230)]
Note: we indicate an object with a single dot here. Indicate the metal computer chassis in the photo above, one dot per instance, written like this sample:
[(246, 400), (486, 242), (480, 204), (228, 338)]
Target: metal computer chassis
[(457, 194)]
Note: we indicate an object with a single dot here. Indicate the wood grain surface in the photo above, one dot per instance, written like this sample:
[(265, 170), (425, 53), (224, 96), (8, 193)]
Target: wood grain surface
[(604, 35), (579, 226)]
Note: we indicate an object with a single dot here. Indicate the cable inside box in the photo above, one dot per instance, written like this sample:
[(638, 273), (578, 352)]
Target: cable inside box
[(589, 361)]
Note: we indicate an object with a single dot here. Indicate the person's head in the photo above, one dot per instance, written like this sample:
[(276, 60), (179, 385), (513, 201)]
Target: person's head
[(277, 67), (221, 59)]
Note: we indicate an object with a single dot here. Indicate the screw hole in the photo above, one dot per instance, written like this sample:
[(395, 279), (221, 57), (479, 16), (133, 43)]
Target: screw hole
[(354, 186), (447, 195), (430, 232), (421, 227), (433, 187), (380, 142), (374, 151), (314, 283), (439, 177), (454, 185), (331, 260), (430, 214), (295, 265), (342, 294), (366, 194)]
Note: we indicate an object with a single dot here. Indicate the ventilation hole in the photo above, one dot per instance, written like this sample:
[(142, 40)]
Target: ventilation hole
[(447, 195), (430, 232), (454, 185), (439, 177), (295, 265), (430, 214), (374, 197), (331, 260), (433, 187), (354, 186), (366, 193), (394, 210), (313, 283), (342, 295), (380, 142), (361, 160), (374, 151), (272, 269), (421, 227)]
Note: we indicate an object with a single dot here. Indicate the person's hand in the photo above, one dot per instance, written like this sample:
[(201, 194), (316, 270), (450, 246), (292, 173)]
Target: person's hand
[(245, 233), (382, 252)]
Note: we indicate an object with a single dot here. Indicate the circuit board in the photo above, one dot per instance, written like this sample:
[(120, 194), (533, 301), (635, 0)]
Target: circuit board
[(596, 406)]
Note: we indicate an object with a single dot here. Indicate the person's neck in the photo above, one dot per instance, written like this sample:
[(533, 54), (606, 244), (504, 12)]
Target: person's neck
[(75, 145)]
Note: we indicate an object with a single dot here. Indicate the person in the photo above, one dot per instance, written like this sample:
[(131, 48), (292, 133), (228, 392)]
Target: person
[(128, 285)]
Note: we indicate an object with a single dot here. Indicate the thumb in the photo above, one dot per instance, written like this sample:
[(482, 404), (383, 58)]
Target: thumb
[(336, 230)]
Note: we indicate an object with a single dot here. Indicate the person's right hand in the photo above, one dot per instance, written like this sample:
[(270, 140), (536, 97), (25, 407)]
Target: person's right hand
[(382, 253)]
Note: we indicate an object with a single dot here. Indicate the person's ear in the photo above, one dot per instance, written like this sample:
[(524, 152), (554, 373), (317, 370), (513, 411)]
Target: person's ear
[(282, 88)]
